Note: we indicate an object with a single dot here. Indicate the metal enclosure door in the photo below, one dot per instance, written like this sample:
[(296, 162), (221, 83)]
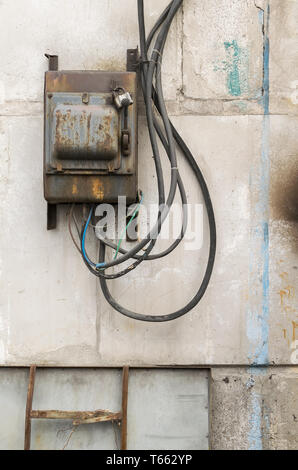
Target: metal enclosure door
[(90, 147)]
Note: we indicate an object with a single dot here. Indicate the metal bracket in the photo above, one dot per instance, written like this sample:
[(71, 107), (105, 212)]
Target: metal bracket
[(53, 62), (52, 217), (132, 60), (52, 208), (125, 142)]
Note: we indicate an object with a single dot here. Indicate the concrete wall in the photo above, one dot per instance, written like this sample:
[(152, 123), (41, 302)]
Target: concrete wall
[(231, 84)]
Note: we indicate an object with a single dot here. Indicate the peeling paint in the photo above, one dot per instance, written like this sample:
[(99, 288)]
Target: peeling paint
[(232, 67), (236, 67), (258, 318)]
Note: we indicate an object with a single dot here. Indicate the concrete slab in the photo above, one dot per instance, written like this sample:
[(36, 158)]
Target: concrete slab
[(86, 36), (283, 57), (254, 409), (222, 56)]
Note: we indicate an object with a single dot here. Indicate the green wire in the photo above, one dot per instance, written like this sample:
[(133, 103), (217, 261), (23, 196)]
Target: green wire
[(126, 228)]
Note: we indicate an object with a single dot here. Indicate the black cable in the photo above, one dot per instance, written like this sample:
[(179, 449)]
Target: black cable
[(164, 208), (174, 179), (150, 69), (170, 151), (157, 25)]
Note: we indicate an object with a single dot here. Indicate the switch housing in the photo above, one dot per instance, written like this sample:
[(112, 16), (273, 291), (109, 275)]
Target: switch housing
[(90, 145)]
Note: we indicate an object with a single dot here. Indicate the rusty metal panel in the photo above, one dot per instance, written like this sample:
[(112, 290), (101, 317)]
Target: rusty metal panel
[(82, 136), (89, 133), (68, 188), (89, 81), (88, 154)]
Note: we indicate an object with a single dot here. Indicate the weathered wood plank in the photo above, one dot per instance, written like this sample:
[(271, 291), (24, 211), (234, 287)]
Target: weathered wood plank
[(82, 416), (99, 419)]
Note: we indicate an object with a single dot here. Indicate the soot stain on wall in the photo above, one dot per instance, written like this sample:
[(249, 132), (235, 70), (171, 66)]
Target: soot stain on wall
[(284, 196), (284, 191)]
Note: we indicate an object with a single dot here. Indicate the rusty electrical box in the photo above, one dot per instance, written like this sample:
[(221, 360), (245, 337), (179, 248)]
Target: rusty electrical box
[(90, 145)]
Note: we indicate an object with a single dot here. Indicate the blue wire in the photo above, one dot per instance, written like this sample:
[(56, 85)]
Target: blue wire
[(100, 265)]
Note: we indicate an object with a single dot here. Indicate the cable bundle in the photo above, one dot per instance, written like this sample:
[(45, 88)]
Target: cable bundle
[(150, 70)]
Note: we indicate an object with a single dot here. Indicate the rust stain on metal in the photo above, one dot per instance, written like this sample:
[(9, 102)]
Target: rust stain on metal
[(98, 189), (88, 133), (75, 187), (108, 140), (89, 82), (59, 188)]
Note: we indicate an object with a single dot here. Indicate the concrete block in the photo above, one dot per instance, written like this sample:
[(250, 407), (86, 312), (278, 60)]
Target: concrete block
[(254, 409), (216, 328), (51, 309), (283, 57), (53, 312), (41, 313), (87, 35), (222, 52)]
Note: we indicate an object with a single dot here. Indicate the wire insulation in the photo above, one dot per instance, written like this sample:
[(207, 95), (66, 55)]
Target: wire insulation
[(151, 80)]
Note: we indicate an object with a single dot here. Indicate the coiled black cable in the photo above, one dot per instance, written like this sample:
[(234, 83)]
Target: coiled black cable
[(153, 96)]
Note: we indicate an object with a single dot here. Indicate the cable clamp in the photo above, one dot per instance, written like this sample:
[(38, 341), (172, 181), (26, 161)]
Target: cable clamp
[(157, 51), (158, 61), (144, 61)]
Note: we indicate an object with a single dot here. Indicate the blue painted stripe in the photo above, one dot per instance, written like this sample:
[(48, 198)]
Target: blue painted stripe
[(258, 316)]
